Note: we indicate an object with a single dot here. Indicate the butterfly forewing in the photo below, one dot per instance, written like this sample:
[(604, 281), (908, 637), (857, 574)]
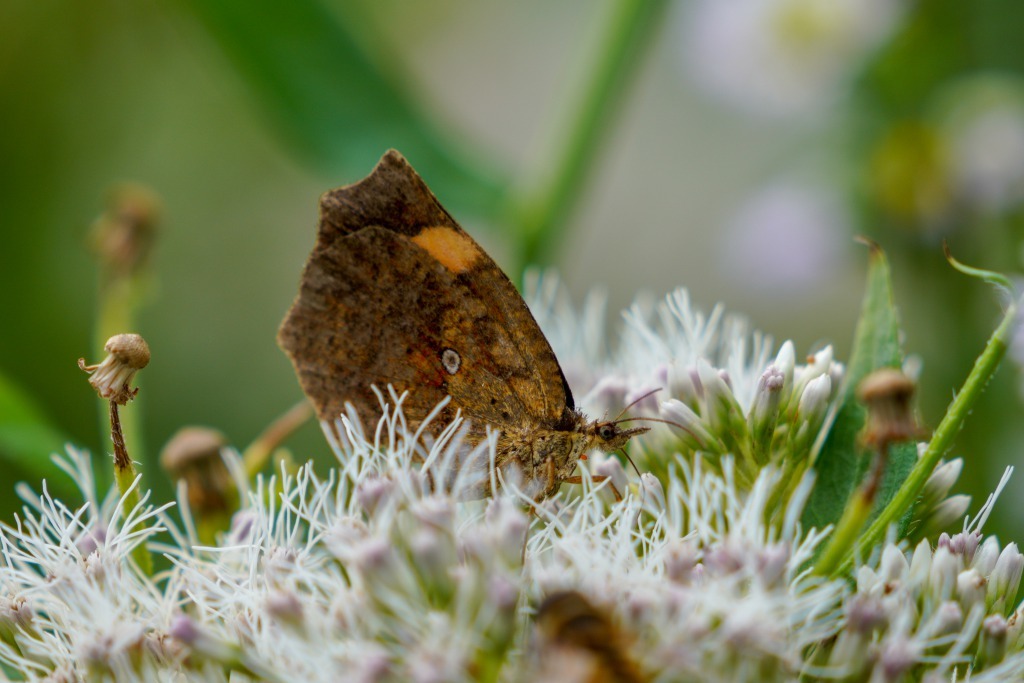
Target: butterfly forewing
[(395, 292)]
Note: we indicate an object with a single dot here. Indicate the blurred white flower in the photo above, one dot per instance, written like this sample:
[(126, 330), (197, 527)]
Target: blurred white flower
[(783, 57), (786, 239), (983, 119)]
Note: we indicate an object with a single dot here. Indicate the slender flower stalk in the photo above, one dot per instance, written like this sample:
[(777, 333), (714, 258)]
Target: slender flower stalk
[(259, 451), (127, 354), (122, 239), (538, 208)]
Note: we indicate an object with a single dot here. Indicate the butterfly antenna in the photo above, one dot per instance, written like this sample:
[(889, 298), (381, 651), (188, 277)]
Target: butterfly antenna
[(635, 401), (667, 422)]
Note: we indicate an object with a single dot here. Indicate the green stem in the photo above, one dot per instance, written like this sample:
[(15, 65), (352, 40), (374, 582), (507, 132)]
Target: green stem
[(984, 367), (539, 206), (257, 454), (118, 300), (856, 514), (124, 475)]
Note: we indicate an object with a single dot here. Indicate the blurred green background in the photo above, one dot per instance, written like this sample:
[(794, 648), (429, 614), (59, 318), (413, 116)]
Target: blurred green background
[(735, 152)]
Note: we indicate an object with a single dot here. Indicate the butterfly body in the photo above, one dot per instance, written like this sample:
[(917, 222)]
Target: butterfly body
[(396, 293), (549, 456)]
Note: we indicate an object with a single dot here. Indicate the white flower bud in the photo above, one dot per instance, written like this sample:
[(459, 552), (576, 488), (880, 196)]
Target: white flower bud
[(501, 593), (643, 398), (653, 492), (948, 619), (816, 366), (945, 514), (680, 560), (939, 484), (864, 613), (893, 566), (785, 361), (867, 579), (970, 588), (897, 658), (435, 511), (772, 563), (681, 385), (695, 433), (508, 525), (373, 492), (610, 390), (942, 577), (433, 554), (373, 665), (992, 648), (1005, 578), (821, 361), (285, 607), (764, 413), (374, 557), (920, 565), (186, 631), (814, 400), (720, 407), (986, 557), (1015, 628), (836, 372), (15, 615)]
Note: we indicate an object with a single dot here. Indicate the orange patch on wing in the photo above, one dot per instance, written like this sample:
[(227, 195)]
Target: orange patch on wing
[(456, 251)]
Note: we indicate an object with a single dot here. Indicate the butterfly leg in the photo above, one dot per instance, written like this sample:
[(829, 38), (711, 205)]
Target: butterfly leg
[(552, 477), (597, 479)]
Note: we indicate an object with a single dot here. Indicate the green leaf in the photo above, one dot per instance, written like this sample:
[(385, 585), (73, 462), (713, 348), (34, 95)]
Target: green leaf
[(27, 438), (337, 104), (842, 462)]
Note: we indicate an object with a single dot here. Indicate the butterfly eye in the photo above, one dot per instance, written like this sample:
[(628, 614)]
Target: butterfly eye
[(606, 432)]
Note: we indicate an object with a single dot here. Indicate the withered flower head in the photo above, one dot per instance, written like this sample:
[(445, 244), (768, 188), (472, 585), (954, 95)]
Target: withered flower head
[(887, 394), (124, 234), (127, 354), (193, 454)]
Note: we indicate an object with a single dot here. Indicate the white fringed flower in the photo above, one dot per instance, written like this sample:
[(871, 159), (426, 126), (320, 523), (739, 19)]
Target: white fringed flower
[(72, 598), (385, 569), (710, 375)]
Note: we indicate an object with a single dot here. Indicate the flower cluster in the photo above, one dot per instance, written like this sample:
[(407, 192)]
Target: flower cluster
[(708, 374), (383, 570)]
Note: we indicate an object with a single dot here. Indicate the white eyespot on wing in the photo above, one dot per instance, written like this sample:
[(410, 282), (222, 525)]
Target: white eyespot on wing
[(451, 360)]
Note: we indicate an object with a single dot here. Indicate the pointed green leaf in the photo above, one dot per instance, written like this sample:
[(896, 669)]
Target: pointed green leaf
[(27, 438), (842, 462), (312, 71)]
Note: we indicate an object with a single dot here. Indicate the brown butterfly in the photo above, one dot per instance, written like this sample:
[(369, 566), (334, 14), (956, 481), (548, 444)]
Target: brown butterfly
[(395, 292)]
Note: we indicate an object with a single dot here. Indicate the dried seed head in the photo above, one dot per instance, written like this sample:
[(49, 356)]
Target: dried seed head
[(887, 393), (123, 235), (193, 454), (189, 447), (127, 354), (130, 349)]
